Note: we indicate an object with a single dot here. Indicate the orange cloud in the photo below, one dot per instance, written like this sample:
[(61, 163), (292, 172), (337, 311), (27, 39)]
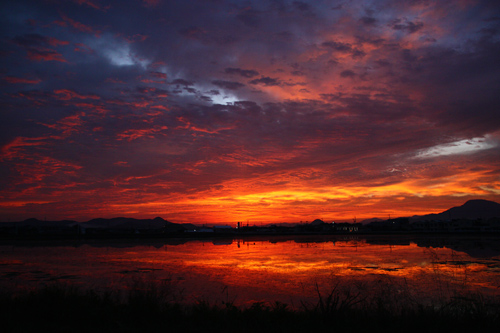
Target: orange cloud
[(44, 54), (18, 80), (75, 24), (66, 95), (92, 4)]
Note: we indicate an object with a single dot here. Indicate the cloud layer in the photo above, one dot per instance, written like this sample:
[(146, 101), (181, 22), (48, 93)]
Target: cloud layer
[(225, 111)]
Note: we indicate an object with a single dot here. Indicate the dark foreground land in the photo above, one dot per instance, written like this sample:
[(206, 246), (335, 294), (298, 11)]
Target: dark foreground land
[(145, 308)]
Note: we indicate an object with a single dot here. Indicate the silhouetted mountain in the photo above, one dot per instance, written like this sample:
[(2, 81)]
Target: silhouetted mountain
[(32, 222), (125, 223), (373, 219), (131, 223), (101, 223), (317, 222), (472, 209)]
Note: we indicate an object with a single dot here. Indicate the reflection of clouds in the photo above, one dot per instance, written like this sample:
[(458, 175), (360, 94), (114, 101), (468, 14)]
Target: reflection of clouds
[(259, 268)]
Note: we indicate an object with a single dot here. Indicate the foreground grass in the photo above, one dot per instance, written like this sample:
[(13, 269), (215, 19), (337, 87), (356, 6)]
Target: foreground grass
[(147, 308)]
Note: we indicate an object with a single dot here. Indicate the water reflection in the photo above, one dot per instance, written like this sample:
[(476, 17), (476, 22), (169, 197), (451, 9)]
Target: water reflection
[(284, 269)]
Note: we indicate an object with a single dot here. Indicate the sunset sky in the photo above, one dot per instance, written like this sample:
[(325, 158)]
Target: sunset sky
[(218, 111)]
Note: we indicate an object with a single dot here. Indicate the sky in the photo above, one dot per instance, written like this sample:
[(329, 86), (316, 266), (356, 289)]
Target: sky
[(219, 111)]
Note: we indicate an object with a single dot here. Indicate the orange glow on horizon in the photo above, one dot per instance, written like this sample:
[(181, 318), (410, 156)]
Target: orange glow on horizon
[(240, 201)]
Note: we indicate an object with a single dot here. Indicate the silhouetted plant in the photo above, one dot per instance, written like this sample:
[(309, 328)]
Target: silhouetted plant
[(383, 305)]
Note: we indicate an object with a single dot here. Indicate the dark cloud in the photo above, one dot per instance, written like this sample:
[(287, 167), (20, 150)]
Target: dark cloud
[(248, 73), (249, 17), (370, 21), (28, 40), (213, 92), (344, 48), (347, 73), (158, 75), (266, 81), (356, 54), (44, 54), (408, 26), (303, 6), (182, 82), (231, 85), (377, 41), (338, 46), (193, 32)]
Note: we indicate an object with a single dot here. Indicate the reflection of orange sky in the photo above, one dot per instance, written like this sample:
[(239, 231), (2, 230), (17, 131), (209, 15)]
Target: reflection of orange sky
[(291, 269), (246, 270)]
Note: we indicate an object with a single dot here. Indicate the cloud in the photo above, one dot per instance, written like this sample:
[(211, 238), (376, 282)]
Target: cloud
[(66, 94), (193, 33), (302, 6), (37, 40), (250, 17), (151, 3), (119, 52), (158, 75), (248, 73), (134, 134), (75, 24), (369, 21), (231, 85), (342, 47), (408, 26), (338, 46), (18, 80), (347, 73), (37, 47), (266, 81), (468, 146), (44, 54), (182, 82), (93, 4)]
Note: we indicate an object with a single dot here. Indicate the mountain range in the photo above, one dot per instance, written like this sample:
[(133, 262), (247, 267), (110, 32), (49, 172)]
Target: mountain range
[(472, 209)]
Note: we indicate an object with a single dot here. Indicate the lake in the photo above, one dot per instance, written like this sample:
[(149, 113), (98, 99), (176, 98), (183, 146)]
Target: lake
[(290, 270)]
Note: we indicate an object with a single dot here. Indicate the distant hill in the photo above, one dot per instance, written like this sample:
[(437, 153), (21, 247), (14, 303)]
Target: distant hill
[(472, 209), (117, 223), (317, 222), (126, 223), (32, 222), (131, 223), (374, 219)]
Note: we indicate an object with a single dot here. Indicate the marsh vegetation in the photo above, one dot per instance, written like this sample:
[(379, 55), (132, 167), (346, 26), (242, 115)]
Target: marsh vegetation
[(344, 306)]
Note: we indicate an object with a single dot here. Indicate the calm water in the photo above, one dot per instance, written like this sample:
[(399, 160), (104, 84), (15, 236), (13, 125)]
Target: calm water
[(260, 269)]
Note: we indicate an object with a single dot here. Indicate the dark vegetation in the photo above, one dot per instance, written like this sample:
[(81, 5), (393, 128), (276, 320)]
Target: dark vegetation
[(149, 307)]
